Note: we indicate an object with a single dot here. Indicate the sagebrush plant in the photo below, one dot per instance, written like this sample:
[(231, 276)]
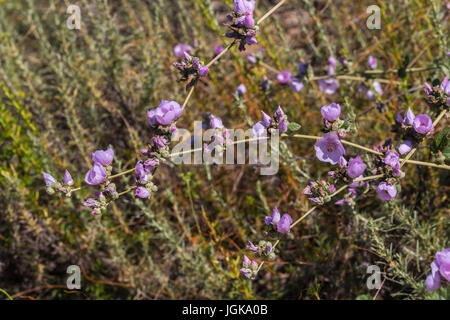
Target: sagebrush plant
[(349, 186)]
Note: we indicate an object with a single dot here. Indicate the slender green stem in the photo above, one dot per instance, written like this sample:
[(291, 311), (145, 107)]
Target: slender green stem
[(125, 192), (221, 54), (303, 136), (361, 147), (264, 17), (349, 77), (304, 216), (121, 173), (368, 178), (6, 293), (191, 91)]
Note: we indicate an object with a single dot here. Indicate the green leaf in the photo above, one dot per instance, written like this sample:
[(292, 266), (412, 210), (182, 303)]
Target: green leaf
[(293, 126), (440, 141)]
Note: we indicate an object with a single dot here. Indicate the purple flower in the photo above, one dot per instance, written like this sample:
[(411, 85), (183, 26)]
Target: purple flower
[(372, 62), (180, 49), (165, 113), (332, 65), (342, 162), (67, 178), (245, 272), (141, 173), (284, 76), (249, 22), (392, 159), (295, 84), (302, 68), (241, 89), (409, 117), (329, 148), (142, 193), (195, 60), (386, 191), (282, 125), (279, 113), (356, 167), (48, 179), (249, 39), (259, 130), (215, 122), (159, 141), (103, 157), (246, 261), (218, 49), (328, 86), (203, 72), (266, 119), (90, 202), (377, 86), (96, 175), (443, 262), (405, 147), (428, 89), (316, 200), (433, 281), (445, 86), (244, 6), (331, 112), (251, 58), (440, 267), (280, 117), (274, 219), (285, 224), (307, 190), (252, 247), (422, 124)]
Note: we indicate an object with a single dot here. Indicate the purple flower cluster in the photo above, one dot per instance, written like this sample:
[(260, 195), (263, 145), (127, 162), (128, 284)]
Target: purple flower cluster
[(279, 122), (377, 87), (392, 159), (412, 129), (242, 23), (51, 183), (282, 224), (98, 173), (220, 138), (440, 270), (191, 68), (330, 85), (319, 192), (438, 96), (143, 171), (285, 77), (421, 123), (166, 113), (249, 268)]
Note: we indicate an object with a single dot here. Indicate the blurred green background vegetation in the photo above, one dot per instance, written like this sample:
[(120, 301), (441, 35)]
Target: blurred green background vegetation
[(65, 93)]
